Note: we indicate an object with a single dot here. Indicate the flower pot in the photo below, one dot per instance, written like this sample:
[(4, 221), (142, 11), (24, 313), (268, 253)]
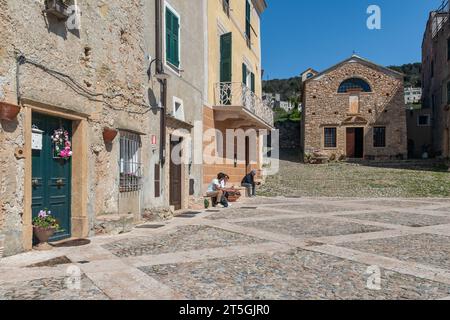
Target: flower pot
[(43, 235), (109, 134), (8, 111)]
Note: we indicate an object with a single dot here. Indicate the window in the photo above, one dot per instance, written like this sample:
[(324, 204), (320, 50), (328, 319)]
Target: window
[(379, 137), (130, 162), (226, 6), (309, 75), (423, 121), (172, 38), (248, 25), (248, 78), (330, 138), (354, 84), (157, 181), (178, 109)]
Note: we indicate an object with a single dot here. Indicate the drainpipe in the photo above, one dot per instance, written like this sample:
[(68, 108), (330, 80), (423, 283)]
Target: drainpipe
[(163, 83)]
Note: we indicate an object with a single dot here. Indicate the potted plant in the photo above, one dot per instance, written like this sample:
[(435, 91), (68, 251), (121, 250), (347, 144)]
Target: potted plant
[(8, 111), (44, 227)]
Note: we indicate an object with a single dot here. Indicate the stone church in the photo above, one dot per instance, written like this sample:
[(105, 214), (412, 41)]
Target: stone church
[(355, 110)]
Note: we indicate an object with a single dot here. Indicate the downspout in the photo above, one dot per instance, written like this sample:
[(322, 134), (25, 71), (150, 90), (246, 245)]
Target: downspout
[(163, 83)]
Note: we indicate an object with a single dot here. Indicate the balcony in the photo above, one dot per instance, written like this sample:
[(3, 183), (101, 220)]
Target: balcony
[(235, 95)]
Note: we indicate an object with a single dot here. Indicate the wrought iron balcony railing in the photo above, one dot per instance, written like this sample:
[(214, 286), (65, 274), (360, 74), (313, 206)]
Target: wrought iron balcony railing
[(238, 94), (441, 17)]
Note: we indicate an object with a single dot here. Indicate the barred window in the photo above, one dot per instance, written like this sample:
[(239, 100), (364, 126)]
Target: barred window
[(330, 138), (130, 162), (379, 137), (354, 84)]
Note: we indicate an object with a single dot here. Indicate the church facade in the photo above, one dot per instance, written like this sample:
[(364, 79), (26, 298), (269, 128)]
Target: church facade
[(355, 110)]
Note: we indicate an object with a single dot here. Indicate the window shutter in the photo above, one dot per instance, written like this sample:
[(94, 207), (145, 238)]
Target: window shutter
[(169, 35), (175, 40), (225, 57), (253, 82), (244, 74), (172, 38), (248, 19)]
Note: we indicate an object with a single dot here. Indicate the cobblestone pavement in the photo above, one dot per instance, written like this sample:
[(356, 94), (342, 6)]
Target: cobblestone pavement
[(265, 248)]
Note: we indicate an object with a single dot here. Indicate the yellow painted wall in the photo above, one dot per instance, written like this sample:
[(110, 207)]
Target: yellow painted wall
[(235, 24)]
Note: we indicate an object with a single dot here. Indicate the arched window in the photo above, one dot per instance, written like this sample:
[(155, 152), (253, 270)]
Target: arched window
[(354, 84)]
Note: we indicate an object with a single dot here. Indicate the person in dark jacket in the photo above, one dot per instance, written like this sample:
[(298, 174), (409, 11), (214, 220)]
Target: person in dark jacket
[(249, 183)]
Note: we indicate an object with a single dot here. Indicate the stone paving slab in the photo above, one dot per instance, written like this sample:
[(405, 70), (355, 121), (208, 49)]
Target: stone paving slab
[(311, 227), (428, 249), (298, 274), (401, 218), (238, 213), (316, 208), (50, 289), (184, 238), (391, 203)]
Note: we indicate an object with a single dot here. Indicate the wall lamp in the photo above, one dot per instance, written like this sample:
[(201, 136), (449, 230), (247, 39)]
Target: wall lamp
[(159, 75)]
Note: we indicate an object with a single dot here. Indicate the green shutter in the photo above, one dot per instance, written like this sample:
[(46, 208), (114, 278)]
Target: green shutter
[(244, 74), (248, 19), (172, 38), (253, 82), (225, 57)]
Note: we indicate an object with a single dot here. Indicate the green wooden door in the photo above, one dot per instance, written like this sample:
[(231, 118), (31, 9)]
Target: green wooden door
[(52, 176)]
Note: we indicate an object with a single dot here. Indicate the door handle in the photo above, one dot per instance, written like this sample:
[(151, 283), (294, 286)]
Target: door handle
[(60, 183), (35, 183)]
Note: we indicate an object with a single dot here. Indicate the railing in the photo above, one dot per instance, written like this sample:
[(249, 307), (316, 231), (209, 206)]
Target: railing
[(238, 94), (441, 17)]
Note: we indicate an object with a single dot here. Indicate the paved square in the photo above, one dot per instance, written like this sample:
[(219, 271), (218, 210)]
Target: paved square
[(294, 275), (402, 218), (184, 238), (270, 252), (311, 227), (428, 249)]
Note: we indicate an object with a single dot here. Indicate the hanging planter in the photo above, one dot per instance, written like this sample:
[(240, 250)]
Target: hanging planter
[(109, 134), (8, 111), (62, 147)]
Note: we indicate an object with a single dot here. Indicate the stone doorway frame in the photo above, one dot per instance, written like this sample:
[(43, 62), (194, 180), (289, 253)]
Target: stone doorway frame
[(79, 196)]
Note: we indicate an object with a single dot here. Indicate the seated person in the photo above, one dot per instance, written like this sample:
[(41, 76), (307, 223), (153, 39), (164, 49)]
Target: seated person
[(216, 192), (249, 183), (230, 193)]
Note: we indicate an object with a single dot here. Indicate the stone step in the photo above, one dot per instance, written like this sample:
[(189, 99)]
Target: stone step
[(113, 224)]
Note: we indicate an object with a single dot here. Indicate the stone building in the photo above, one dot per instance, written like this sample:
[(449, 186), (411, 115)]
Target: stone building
[(355, 109), (436, 78), (419, 132), (234, 85), (125, 80)]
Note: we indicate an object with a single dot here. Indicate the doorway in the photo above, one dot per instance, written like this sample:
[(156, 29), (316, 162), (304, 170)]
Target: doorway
[(248, 167), (355, 143), (51, 175), (175, 176)]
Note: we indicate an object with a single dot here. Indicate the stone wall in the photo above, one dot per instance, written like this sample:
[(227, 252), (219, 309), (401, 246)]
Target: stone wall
[(108, 58), (434, 96), (384, 106), (289, 134)]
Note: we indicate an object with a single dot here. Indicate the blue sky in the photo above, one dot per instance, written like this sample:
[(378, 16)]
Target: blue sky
[(298, 34)]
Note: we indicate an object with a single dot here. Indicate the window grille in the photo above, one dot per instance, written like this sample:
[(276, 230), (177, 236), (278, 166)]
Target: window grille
[(354, 83), (379, 137), (130, 162), (330, 138)]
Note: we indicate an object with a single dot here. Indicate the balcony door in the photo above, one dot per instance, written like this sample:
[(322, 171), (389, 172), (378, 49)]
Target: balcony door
[(225, 68)]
